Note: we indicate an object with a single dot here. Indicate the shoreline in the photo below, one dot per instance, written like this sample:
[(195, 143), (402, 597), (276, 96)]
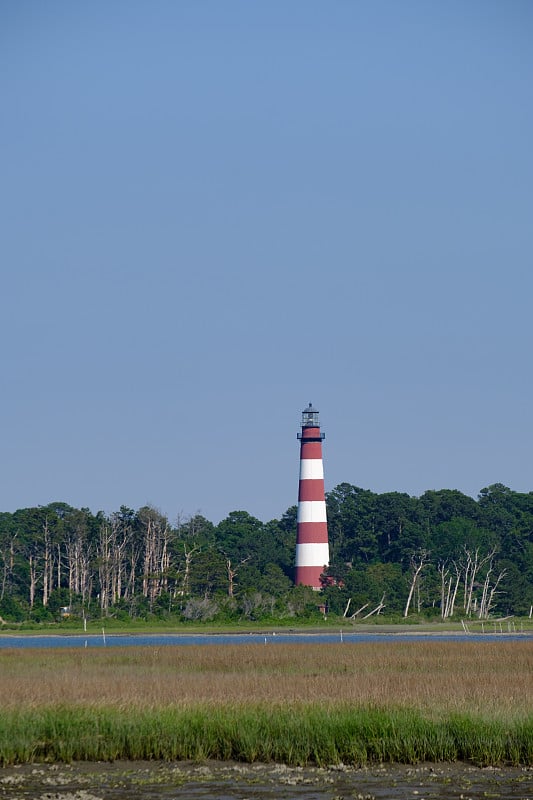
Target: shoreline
[(521, 627), (142, 779)]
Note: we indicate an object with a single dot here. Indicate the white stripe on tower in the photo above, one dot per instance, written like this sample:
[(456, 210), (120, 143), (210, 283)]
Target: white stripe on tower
[(311, 469), (312, 549), (311, 511)]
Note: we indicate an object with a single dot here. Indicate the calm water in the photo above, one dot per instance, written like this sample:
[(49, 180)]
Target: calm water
[(159, 640)]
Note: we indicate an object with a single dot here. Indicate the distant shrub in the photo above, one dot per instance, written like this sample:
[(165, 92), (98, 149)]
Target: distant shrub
[(13, 610), (201, 610)]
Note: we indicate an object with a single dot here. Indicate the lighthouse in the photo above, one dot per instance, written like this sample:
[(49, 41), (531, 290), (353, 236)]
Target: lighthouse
[(312, 549)]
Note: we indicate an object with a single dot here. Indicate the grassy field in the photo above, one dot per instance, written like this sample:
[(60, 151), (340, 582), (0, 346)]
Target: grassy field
[(299, 704)]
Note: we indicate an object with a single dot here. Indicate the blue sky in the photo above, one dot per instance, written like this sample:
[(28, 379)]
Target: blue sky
[(215, 213)]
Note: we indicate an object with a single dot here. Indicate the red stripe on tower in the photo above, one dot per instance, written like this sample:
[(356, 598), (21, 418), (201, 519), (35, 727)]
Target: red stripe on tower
[(312, 548)]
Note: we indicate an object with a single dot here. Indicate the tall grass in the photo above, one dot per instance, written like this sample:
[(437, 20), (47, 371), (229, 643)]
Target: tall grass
[(252, 734), (297, 704)]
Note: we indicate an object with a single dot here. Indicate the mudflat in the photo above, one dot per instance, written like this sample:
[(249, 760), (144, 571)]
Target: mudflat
[(147, 780)]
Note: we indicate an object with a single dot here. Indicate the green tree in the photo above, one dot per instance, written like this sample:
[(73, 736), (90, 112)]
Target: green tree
[(274, 581), (351, 525), (208, 574), (445, 504), (398, 527), (239, 536)]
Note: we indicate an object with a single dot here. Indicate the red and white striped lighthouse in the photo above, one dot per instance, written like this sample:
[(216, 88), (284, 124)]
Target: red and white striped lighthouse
[(312, 548)]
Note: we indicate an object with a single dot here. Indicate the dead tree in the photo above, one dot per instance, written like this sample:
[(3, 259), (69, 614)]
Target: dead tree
[(417, 565), (7, 556), (232, 573), (103, 551), (79, 554), (134, 555), (34, 577), (356, 613), (157, 551), (449, 587), (488, 594), (377, 609), (184, 586), (474, 563), (47, 563), (59, 564)]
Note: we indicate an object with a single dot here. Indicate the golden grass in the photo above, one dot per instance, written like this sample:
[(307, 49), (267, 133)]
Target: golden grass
[(491, 679)]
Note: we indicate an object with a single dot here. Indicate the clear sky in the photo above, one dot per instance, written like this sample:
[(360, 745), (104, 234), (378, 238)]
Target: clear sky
[(213, 213)]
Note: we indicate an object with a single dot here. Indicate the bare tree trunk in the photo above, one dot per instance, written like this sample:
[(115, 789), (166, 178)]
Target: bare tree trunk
[(444, 594), (447, 612), (356, 613), (47, 564), (129, 592), (85, 579), (187, 568), (5, 572), (118, 544), (455, 590), (156, 558), (484, 593), (8, 559), (58, 565), (231, 576), (473, 564), (471, 568), (33, 578), (78, 564), (71, 567), (417, 565), (377, 609), (232, 573), (149, 548), (104, 566), (448, 589), (165, 558), (489, 595)]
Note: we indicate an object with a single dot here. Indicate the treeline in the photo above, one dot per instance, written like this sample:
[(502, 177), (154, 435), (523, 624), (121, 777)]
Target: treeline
[(442, 554)]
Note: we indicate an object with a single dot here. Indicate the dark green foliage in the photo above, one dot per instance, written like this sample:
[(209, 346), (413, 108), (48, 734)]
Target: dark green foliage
[(447, 504), (135, 563), (352, 524), (240, 536), (13, 610), (208, 573)]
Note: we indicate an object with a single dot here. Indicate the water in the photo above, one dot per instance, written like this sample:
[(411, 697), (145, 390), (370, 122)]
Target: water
[(160, 640)]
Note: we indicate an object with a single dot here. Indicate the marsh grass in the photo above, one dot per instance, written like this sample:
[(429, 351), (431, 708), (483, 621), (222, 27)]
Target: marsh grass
[(297, 704), (252, 734)]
